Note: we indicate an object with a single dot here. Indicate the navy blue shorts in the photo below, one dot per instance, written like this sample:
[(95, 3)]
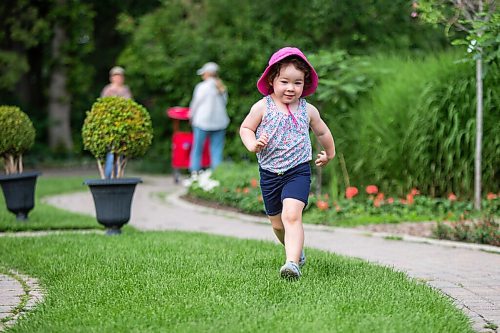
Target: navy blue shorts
[(294, 183)]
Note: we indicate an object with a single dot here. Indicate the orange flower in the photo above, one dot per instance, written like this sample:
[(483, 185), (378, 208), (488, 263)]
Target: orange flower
[(452, 197), (390, 200), (337, 207), (491, 196), (322, 205), (380, 196), (372, 189), (409, 199), (253, 182), (238, 190), (351, 192), (377, 203), (414, 191), (246, 190), (259, 198)]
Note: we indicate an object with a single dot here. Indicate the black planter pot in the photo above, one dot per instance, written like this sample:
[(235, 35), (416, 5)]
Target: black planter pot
[(19, 192), (113, 199)]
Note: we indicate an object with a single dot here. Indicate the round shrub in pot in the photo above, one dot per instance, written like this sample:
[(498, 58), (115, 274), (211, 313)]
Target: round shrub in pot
[(17, 135), (122, 127)]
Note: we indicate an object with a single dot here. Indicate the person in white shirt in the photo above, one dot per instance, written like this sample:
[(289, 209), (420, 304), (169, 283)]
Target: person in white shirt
[(208, 117)]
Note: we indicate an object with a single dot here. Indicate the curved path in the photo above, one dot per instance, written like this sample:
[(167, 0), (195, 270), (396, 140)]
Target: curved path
[(18, 294), (466, 273)]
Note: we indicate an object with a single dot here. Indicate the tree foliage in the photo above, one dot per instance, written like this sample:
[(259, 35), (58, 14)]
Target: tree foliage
[(168, 44)]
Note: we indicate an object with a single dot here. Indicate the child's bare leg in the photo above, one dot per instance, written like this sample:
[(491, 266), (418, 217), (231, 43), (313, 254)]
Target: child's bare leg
[(278, 228), (291, 217)]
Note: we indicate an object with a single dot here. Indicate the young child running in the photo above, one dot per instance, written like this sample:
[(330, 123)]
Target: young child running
[(277, 129)]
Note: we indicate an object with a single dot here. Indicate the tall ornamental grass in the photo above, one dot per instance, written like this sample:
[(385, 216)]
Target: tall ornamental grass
[(440, 141), (417, 128)]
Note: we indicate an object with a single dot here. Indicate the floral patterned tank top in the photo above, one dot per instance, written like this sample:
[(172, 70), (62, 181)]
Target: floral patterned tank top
[(289, 143)]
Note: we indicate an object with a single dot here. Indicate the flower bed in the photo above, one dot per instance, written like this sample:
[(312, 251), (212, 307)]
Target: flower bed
[(239, 188)]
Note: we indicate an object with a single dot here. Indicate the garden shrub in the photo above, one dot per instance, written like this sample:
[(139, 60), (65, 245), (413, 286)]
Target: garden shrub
[(17, 135), (118, 125)]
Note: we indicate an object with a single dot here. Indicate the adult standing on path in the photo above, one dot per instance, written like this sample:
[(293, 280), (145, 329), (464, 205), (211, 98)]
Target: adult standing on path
[(116, 87), (208, 117)]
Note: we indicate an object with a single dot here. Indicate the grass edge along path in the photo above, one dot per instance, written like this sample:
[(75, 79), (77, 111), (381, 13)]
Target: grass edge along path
[(23, 299), (175, 281)]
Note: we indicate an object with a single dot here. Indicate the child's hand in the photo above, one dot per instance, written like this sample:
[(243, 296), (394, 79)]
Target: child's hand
[(261, 143), (322, 159)]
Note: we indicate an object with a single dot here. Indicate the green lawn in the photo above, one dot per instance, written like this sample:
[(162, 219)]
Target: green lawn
[(45, 217), (188, 282)]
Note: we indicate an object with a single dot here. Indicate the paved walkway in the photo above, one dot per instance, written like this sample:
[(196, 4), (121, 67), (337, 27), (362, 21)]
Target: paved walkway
[(18, 294), (468, 275)]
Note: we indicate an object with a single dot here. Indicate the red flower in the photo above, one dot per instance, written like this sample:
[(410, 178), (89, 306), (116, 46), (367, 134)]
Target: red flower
[(246, 190), (351, 192), (491, 196), (414, 192), (390, 200), (322, 205), (253, 182), (372, 189), (452, 197), (380, 196), (377, 203)]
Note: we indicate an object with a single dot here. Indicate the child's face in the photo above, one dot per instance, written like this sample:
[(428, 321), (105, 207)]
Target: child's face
[(289, 84)]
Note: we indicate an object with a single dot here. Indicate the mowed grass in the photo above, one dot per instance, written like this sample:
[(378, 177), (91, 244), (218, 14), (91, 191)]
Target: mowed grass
[(46, 217), (190, 282)]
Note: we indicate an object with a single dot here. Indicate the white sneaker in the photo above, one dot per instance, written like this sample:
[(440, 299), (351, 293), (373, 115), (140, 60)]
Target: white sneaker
[(290, 271)]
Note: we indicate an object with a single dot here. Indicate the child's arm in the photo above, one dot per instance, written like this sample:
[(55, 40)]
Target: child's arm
[(249, 126), (324, 136)]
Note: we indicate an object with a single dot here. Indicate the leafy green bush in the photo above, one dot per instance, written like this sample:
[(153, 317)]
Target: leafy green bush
[(484, 230), (17, 135), (118, 125)]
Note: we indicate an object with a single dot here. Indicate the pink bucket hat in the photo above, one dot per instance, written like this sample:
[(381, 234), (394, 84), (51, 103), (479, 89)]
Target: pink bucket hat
[(263, 84)]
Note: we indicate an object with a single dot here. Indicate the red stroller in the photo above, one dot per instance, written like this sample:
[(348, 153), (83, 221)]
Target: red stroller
[(182, 142)]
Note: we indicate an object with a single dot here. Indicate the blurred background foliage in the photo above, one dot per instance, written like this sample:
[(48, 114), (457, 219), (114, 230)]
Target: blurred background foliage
[(398, 101)]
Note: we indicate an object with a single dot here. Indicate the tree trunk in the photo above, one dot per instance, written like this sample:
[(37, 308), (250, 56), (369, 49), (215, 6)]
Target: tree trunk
[(59, 97), (479, 134)]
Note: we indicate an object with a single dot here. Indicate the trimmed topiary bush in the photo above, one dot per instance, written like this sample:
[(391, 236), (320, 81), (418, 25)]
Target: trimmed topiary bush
[(17, 136), (118, 125)]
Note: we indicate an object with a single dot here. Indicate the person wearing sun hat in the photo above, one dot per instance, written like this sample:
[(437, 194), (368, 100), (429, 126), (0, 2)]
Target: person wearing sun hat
[(277, 130), (208, 116)]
